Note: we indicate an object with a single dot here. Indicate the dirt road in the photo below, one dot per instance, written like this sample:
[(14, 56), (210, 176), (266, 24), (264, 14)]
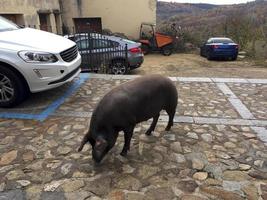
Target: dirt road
[(192, 65)]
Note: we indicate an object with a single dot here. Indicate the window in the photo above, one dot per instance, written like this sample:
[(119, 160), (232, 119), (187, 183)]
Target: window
[(115, 44), (222, 40), (95, 44), (219, 40), (100, 44), (209, 41), (83, 44)]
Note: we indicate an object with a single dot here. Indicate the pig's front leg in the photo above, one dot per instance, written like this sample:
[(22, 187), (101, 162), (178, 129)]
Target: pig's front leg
[(128, 133), (153, 125)]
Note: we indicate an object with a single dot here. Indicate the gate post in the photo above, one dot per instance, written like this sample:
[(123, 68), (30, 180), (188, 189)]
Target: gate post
[(126, 55)]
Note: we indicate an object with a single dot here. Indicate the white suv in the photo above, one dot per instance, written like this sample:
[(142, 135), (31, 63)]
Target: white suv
[(32, 61)]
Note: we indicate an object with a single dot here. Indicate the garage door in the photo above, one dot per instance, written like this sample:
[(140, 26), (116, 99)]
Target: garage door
[(88, 25)]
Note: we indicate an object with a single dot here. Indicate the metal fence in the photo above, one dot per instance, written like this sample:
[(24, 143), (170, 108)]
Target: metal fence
[(100, 53)]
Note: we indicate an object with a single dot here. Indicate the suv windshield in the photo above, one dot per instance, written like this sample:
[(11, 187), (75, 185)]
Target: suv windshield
[(6, 25)]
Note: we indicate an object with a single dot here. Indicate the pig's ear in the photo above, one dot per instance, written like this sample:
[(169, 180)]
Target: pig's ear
[(100, 144)]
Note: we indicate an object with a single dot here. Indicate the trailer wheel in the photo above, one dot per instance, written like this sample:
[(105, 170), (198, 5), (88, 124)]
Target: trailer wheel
[(145, 49), (166, 51)]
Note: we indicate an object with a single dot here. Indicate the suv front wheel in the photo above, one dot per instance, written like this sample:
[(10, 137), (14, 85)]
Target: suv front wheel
[(12, 88)]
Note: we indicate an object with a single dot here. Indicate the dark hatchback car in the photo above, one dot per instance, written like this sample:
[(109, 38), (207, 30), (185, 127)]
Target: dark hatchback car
[(97, 50), (219, 48)]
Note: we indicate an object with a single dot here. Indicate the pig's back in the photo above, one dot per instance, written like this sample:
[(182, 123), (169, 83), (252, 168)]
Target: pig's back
[(137, 100)]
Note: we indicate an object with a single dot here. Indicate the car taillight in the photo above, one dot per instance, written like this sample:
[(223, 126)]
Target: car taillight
[(215, 46), (136, 50)]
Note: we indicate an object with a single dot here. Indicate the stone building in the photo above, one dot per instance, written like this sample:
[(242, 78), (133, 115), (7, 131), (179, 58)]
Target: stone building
[(124, 16), (42, 14)]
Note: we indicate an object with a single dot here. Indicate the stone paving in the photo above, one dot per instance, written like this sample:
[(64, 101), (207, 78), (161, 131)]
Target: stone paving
[(203, 99), (217, 148), (254, 96)]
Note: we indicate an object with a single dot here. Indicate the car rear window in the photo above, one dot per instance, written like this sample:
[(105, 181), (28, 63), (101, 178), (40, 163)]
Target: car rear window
[(128, 41), (86, 44), (222, 41)]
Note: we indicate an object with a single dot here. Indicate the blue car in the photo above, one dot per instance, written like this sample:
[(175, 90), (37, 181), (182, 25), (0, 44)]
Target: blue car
[(219, 48)]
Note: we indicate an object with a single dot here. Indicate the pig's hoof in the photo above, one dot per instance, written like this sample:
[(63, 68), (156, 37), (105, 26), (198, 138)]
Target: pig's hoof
[(123, 153), (148, 132), (168, 128)]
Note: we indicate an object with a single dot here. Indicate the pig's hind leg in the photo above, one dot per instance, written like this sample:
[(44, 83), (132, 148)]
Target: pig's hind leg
[(171, 113), (153, 125), (128, 133)]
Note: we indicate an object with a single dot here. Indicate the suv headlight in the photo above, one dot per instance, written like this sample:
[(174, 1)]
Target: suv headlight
[(37, 57)]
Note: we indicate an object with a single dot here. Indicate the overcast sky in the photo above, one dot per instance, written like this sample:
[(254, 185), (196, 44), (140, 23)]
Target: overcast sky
[(210, 1)]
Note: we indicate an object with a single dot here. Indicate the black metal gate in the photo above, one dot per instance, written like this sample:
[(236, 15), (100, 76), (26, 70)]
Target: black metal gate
[(100, 53)]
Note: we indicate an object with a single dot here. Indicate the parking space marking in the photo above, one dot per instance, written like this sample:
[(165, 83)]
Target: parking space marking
[(243, 111), (194, 79), (226, 90), (52, 107), (186, 79), (235, 101), (261, 133), (258, 81), (73, 114), (9, 115), (241, 108), (181, 119), (230, 80)]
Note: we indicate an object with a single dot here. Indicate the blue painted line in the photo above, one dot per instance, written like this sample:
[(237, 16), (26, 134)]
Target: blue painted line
[(52, 107), (18, 116)]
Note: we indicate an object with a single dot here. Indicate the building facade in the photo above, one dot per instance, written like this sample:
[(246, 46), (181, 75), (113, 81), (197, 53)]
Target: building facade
[(123, 16), (41, 14)]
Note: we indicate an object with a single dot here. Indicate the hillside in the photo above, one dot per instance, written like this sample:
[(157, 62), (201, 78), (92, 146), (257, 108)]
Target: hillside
[(166, 10), (194, 16), (242, 22)]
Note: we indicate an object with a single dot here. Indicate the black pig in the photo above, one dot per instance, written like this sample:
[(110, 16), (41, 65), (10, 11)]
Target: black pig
[(125, 106)]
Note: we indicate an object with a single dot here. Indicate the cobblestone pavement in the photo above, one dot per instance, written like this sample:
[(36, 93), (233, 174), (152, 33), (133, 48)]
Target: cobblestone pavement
[(217, 148)]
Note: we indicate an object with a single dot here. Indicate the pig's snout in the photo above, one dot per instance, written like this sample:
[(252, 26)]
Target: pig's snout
[(98, 155)]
